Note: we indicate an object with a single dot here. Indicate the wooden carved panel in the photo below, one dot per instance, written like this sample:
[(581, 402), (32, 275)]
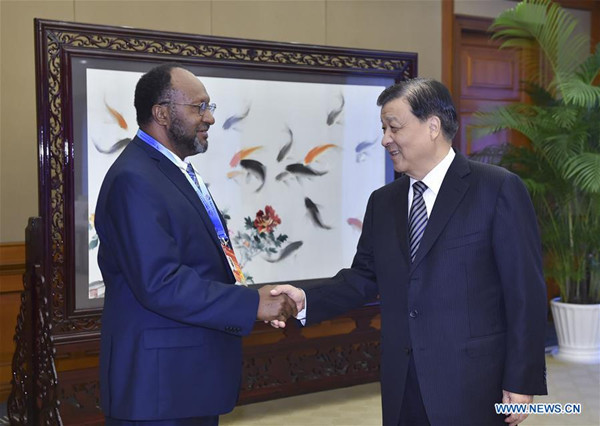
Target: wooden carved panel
[(293, 365)]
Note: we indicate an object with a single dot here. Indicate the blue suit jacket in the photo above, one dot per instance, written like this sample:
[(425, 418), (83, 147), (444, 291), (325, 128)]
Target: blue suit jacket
[(172, 320), (472, 306)]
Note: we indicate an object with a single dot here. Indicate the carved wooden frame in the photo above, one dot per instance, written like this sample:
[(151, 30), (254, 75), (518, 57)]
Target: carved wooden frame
[(58, 42), (277, 363)]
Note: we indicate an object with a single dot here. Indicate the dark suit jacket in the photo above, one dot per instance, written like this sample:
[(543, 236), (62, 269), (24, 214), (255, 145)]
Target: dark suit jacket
[(471, 308), (172, 320)]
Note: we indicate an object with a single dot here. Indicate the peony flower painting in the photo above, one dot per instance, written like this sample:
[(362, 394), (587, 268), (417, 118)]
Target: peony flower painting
[(259, 238)]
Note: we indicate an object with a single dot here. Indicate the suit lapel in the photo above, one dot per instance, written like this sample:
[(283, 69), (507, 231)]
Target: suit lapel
[(400, 223), (174, 174), (451, 193)]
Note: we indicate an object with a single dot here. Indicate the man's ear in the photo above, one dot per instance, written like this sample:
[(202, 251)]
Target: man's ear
[(160, 114), (435, 126)]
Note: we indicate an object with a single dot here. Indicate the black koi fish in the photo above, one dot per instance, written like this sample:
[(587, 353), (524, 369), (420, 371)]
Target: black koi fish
[(289, 249), (301, 169), (114, 148), (281, 176), (313, 210), (333, 114), (286, 148), (255, 168)]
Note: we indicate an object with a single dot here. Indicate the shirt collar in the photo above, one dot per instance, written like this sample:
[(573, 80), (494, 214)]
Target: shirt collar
[(435, 177)]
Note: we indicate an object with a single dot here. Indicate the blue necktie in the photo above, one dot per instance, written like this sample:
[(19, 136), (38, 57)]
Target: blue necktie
[(417, 220), (190, 171)]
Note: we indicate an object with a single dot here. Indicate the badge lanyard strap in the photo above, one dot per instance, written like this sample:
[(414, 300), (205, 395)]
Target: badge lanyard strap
[(202, 190)]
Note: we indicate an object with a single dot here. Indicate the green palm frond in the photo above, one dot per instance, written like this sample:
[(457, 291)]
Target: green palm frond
[(590, 68), (517, 117), (580, 93), (556, 149), (584, 169), (540, 176), (565, 118), (538, 94), (537, 188), (545, 25)]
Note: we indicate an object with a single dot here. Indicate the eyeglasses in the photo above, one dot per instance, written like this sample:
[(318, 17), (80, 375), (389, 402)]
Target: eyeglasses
[(201, 107)]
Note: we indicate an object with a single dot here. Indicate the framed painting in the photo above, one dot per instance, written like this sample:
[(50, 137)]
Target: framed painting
[(293, 156)]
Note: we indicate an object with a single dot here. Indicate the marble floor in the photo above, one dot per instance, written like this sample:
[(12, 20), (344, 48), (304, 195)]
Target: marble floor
[(360, 405)]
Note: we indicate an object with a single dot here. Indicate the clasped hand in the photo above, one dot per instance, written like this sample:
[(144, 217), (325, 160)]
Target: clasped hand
[(278, 303), (275, 308)]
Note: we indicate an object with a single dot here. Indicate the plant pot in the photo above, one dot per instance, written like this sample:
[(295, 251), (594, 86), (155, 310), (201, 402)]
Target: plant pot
[(578, 331)]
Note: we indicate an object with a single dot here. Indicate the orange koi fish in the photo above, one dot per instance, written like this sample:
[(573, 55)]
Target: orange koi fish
[(240, 155), (316, 151), (355, 223), (234, 173), (117, 116)]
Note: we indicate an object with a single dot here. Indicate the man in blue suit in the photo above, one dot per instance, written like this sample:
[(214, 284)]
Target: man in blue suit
[(453, 252), (173, 320)]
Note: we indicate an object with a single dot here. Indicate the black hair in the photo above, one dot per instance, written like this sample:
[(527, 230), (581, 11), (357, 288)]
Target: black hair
[(152, 88), (426, 98)]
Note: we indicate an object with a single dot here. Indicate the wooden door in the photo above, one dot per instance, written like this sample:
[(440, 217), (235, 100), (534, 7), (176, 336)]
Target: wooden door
[(484, 77)]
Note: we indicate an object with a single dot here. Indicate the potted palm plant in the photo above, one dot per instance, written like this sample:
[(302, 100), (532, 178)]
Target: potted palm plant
[(561, 163)]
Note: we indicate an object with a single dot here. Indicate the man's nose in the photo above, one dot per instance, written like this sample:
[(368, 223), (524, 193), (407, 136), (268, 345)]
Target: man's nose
[(386, 139), (208, 117)]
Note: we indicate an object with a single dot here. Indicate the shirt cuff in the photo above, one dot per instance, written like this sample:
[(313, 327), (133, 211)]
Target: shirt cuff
[(302, 314)]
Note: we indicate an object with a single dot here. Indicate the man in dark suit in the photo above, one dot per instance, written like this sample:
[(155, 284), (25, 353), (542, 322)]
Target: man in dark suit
[(453, 251), (171, 346)]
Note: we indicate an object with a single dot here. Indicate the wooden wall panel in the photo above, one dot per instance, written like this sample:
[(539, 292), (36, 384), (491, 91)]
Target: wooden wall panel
[(12, 266)]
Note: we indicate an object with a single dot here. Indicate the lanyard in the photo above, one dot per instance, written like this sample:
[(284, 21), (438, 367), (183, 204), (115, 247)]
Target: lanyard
[(201, 190)]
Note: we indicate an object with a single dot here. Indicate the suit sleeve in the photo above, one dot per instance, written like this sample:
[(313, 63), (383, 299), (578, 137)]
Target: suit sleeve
[(144, 249), (350, 288), (517, 249)]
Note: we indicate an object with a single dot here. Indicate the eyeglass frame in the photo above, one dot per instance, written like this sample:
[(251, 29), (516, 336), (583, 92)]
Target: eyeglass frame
[(202, 106)]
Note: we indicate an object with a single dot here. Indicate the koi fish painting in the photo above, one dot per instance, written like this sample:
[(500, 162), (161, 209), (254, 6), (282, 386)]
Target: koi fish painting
[(333, 114), (315, 215), (116, 115), (317, 151), (257, 169), (302, 170), (285, 149), (362, 149), (240, 155), (235, 119)]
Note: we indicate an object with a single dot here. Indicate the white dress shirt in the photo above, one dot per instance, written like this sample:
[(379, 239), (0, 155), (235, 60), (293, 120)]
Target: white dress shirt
[(433, 180)]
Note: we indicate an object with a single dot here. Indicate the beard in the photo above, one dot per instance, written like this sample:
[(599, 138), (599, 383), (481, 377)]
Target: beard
[(185, 142)]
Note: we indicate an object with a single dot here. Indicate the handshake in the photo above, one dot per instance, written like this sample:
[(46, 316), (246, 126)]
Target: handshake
[(278, 303)]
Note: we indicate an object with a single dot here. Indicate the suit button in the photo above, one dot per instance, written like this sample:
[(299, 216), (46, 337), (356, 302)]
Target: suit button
[(408, 351), (414, 313)]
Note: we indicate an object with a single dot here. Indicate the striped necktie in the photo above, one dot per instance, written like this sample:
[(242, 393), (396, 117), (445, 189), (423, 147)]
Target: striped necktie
[(417, 220), (190, 171)]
